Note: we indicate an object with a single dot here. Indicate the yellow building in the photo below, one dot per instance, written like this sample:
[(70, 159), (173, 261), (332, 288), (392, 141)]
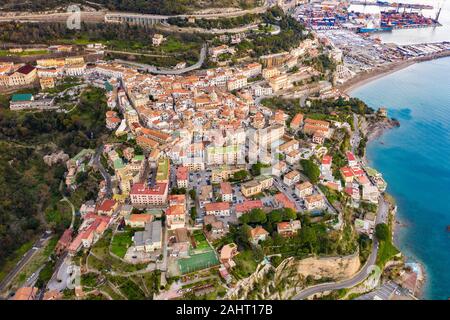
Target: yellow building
[(236, 83), (270, 73), (256, 186), (23, 76), (74, 61), (224, 173), (47, 83), (48, 63), (279, 82)]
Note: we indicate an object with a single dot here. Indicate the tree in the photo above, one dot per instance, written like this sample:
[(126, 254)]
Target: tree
[(240, 175), (289, 214), (311, 170), (178, 191), (382, 232), (256, 168), (193, 213), (81, 177), (275, 216), (245, 218), (208, 227), (241, 236), (193, 194), (258, 216), (308, 237)]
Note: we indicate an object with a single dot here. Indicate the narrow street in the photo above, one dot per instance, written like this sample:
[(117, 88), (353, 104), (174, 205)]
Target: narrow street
[(356, 137), (97, 163)]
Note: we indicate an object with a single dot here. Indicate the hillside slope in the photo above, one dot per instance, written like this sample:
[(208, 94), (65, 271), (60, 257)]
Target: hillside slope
[(142, 6)]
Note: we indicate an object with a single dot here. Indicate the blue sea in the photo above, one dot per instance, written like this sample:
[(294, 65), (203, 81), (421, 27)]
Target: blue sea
[(415, 161)]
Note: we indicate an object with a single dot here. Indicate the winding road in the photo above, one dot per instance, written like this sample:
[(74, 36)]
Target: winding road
[(382, 214), (24, 261), (72, 207), (356, 137), (155, 70)]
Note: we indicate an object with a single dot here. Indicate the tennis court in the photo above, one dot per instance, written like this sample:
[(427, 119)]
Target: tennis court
[(198, 262)]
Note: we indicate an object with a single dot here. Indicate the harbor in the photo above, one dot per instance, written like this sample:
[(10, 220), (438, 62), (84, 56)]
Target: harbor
[(365, 16)]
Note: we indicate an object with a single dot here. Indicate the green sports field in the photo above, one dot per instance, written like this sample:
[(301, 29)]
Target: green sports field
[(198, 262)]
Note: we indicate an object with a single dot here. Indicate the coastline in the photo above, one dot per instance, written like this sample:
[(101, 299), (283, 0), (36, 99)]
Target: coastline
[(375, 132), (382, 71), (374, 74)]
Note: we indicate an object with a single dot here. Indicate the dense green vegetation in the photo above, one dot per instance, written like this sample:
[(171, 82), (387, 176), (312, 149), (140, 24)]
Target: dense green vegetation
[(240, 175), (269, 220), (314, 238), (311, 170), (141, 6), (121, 242), (386, 249), (46, 273), (256, 169), (326, 109), (246, 263), (118, 37), (361, 150), (89, 280), (223, 23), (254, 216), (193, 213), (332, 195), (260, 43), (322, 63), (382, 232), (365, 246), (103, 261), (29, 189)]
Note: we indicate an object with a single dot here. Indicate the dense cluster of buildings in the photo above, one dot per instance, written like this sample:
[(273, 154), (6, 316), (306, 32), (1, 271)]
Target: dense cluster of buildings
[(188, 141), (45, 72)]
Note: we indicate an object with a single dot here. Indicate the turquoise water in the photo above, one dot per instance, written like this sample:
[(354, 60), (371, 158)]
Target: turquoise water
[(415, 160)]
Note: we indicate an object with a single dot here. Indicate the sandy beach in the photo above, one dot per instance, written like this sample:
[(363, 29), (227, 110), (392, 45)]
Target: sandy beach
[(379, 72), (376, 73)]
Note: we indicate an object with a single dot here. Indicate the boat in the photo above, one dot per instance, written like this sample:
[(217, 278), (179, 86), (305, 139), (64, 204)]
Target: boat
[(371, 30), (448, 228)]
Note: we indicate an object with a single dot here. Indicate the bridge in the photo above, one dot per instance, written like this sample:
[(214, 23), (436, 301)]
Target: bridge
[(124, 17), (135, 19)]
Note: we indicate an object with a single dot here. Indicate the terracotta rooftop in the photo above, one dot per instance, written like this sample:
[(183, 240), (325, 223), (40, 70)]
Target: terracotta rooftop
[(217, 206)]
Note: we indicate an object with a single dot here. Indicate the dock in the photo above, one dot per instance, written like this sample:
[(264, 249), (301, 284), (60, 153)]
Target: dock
[(393, 5)]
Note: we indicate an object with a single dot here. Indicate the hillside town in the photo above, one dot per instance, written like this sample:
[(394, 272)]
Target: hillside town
[(204, 180)]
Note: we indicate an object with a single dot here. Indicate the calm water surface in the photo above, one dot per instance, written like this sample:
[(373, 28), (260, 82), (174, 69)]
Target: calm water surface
[(415, 161)]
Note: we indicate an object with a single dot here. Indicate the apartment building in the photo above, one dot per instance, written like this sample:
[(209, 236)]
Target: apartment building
[(142, 195), (257, 185)]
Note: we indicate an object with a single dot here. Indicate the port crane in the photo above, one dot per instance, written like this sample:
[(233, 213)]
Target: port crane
[(440, 5)]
